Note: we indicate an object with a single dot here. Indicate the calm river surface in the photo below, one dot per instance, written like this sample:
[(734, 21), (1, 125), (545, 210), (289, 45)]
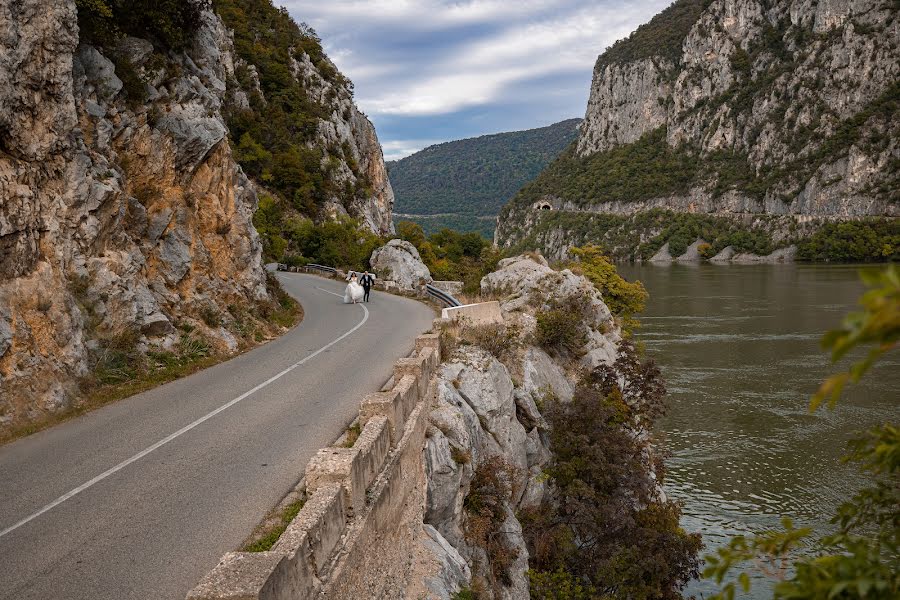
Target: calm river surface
[(739, 347)]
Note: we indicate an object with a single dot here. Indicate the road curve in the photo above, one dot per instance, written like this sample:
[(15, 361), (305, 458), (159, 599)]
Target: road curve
[(164, 484)]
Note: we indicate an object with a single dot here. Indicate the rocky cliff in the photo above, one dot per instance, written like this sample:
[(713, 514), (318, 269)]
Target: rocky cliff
[(737, 108), (487, 444), (125, 218)]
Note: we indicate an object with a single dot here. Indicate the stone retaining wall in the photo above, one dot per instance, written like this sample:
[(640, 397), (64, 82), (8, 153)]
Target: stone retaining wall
[(355, 533)]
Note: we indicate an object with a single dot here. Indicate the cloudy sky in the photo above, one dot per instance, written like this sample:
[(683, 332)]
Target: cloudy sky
[(428, 71)]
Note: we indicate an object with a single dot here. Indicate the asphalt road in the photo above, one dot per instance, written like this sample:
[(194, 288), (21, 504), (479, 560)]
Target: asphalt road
[(164, 484)]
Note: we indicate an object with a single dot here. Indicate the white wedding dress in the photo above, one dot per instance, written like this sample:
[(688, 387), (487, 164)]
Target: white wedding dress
[(354, 292)]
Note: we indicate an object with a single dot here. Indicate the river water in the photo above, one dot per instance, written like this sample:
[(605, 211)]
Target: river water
[(739, 348)]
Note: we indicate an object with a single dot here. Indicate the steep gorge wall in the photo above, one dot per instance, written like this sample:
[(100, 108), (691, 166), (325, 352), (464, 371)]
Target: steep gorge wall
[(737, 107), (124, 214)]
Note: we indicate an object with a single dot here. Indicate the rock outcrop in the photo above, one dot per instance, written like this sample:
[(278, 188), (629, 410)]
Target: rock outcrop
[(348, 129), (770, 83), (486, 422), (125, 218), (399, 261), (114, 218), (743, 108)]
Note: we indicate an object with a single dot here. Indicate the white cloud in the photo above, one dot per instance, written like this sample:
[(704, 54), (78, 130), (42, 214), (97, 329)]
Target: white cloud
[(397, 149), (424, 15), (421, 59), (480, 72)]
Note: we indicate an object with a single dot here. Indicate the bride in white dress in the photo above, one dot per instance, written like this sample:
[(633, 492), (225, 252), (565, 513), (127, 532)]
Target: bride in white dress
[(354, 292)]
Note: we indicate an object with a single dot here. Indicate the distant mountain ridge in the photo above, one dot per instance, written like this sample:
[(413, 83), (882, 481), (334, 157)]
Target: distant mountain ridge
[(458, 182)]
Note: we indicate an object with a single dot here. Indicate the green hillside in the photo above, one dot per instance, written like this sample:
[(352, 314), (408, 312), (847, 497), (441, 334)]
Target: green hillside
[(472, 178)]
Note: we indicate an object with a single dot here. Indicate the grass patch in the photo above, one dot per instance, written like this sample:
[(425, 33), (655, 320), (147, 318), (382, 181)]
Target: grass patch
[(274, 526), (352, 435), (502, 341), (460, 456), (105, 394)]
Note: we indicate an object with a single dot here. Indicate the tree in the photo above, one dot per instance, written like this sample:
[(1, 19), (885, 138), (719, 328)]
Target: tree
[(861, 560), (623, 298), (609, 528)]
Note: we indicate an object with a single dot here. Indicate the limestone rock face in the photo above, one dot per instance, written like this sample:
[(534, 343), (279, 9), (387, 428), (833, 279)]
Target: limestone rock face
[(349, 128), (623, 104), (473, 421), (526, 283), (452, 573), (113, 217), (798, 95), (837, 76), (483, 414), (399, 261)]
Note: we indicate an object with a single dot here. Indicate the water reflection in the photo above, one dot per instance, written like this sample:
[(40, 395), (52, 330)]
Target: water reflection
[(739, 347)]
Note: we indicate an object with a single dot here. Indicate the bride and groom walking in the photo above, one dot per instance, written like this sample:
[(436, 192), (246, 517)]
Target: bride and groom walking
[(358, 288)]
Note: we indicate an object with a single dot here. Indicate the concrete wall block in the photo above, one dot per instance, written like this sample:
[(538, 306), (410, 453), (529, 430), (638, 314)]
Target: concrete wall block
[(431, 362), (311, 537), (386, 404), (374, 444), (408, 389), (338, 465), (405, 472), (441, 322), (251, 576), (408, 366), (482, 313), (429, 340)]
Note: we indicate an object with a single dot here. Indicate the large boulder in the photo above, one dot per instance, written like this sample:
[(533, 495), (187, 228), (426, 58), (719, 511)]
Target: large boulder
[(526, 284), (399, 261)]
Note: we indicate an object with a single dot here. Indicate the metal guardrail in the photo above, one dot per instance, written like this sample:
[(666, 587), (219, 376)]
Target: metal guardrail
[(441, 296), (321, 268)]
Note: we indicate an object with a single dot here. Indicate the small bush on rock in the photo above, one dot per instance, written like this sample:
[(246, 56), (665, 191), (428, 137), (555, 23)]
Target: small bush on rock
[(491, 490), (623, 298), (502, 341), (559, 327)]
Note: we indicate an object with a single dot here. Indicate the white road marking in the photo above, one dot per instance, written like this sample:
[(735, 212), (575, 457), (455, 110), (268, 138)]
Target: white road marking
[(184, 429)]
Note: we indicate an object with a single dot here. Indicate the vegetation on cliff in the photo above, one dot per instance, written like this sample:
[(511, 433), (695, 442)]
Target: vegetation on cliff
[(639, 236), (796, 115), (608, 533), (662, 36), (272, 136), (169, 24), (476, 176), (651, 168)]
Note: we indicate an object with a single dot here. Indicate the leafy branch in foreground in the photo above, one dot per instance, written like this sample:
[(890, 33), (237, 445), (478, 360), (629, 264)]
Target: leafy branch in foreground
[(862, 559), (878, 325)]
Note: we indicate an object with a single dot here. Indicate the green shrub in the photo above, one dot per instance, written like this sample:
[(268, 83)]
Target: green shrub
[(871, 240), (450, 255), (608, 528), (559, 327), (623, 298), (557, 585), (169, 24)]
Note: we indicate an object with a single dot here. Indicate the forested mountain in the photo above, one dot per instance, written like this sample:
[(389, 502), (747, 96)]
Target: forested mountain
[(770, 119), (466, 179)]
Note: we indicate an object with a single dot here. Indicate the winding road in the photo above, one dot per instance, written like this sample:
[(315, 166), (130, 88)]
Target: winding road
[(139, 499)]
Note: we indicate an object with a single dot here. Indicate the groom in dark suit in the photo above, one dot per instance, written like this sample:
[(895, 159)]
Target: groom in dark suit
[(366, 282)]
